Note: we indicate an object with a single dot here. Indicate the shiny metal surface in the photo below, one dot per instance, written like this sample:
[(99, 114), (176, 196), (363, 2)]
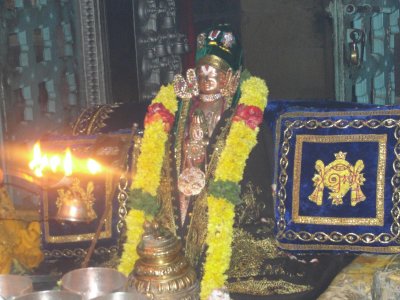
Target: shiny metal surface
[(50, 295), (162, 272), (93, 282), (14, 285), (122, 296)]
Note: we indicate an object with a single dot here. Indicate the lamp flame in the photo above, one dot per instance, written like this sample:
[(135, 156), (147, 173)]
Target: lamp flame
[(68, 163), (42, 161), (93, 166)]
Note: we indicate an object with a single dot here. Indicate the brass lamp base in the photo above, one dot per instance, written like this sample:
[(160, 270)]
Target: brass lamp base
[(162, 271)]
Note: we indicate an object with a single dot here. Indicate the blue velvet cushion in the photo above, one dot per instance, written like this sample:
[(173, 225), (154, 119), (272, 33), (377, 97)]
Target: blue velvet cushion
[(70, 239), (337, 176)]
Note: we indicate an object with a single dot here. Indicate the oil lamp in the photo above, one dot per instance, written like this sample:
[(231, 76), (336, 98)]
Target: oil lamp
[(74, 203)]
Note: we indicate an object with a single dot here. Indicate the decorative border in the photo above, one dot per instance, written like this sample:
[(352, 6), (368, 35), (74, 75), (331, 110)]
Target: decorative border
[(59, 239), (92, 119), (282, 178), (94, 52), (79, 252), (112, 185), (378, 220)]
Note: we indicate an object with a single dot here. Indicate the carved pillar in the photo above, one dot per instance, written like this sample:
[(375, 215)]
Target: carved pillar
[(158, 45)]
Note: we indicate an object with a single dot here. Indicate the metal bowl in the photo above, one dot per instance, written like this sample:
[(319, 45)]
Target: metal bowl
[(93, 282), (122, 296), (50, 295), (14, 285)]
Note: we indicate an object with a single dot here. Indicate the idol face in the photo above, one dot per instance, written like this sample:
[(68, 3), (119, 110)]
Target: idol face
[(210, 79)]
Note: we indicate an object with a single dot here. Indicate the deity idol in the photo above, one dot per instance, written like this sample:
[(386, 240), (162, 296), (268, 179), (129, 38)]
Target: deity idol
[(204, 173)]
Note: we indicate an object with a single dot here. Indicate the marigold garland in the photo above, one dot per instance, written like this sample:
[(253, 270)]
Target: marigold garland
[(221, 214), (147, 179), (134, 224), (241, 139), (238, 145), (254, 92), (153, 145), (224, 189)]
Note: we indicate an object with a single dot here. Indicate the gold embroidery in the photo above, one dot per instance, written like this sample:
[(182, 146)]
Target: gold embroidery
[(85, 145), (195, 241), (248, 254), (339, 176), (166, 214), (91, 120), (259, 257), (369, 249), (180, 133), (283, 147), (106, 233), (250, 210), (378, 220), (197, 232), (79, 252), (329, 123), (266, 287), (76, 196)]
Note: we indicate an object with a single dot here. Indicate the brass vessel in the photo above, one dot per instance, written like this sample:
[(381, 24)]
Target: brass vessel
[(162, 271), (75, 204)]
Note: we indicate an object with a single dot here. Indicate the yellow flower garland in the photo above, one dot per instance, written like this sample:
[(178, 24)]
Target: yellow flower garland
[(221, 212), (149, 166), (150, 160), (134, 224), (147, 178)]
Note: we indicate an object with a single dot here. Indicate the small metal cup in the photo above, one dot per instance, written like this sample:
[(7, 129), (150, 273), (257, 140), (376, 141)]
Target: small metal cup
[(14, 285), (93, 282), (50, 295)]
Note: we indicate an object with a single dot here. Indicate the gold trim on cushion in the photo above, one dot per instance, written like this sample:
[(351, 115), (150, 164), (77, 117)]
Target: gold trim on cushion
[(110, 181), (378, 220), (106, 233), (319, 238), (369, 249)]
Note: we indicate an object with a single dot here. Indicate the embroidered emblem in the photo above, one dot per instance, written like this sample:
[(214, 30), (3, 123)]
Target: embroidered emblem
[(75, 203), (339, 177), (228, 40)]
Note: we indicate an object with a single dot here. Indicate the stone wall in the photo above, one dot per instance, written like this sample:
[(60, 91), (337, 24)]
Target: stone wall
[(289, 43)]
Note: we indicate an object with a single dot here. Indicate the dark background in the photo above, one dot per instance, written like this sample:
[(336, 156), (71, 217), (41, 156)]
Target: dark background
[(289, 43)]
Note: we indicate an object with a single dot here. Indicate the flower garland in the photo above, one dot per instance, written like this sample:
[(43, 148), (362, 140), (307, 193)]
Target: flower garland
[(142, 198), (224, 190)]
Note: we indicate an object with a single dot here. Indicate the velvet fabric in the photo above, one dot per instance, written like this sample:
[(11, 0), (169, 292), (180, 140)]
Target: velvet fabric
[(307, 136), (71, 239)]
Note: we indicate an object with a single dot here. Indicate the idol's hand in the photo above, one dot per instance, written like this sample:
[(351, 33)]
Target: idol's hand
[(232, 83), (186, 88)]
